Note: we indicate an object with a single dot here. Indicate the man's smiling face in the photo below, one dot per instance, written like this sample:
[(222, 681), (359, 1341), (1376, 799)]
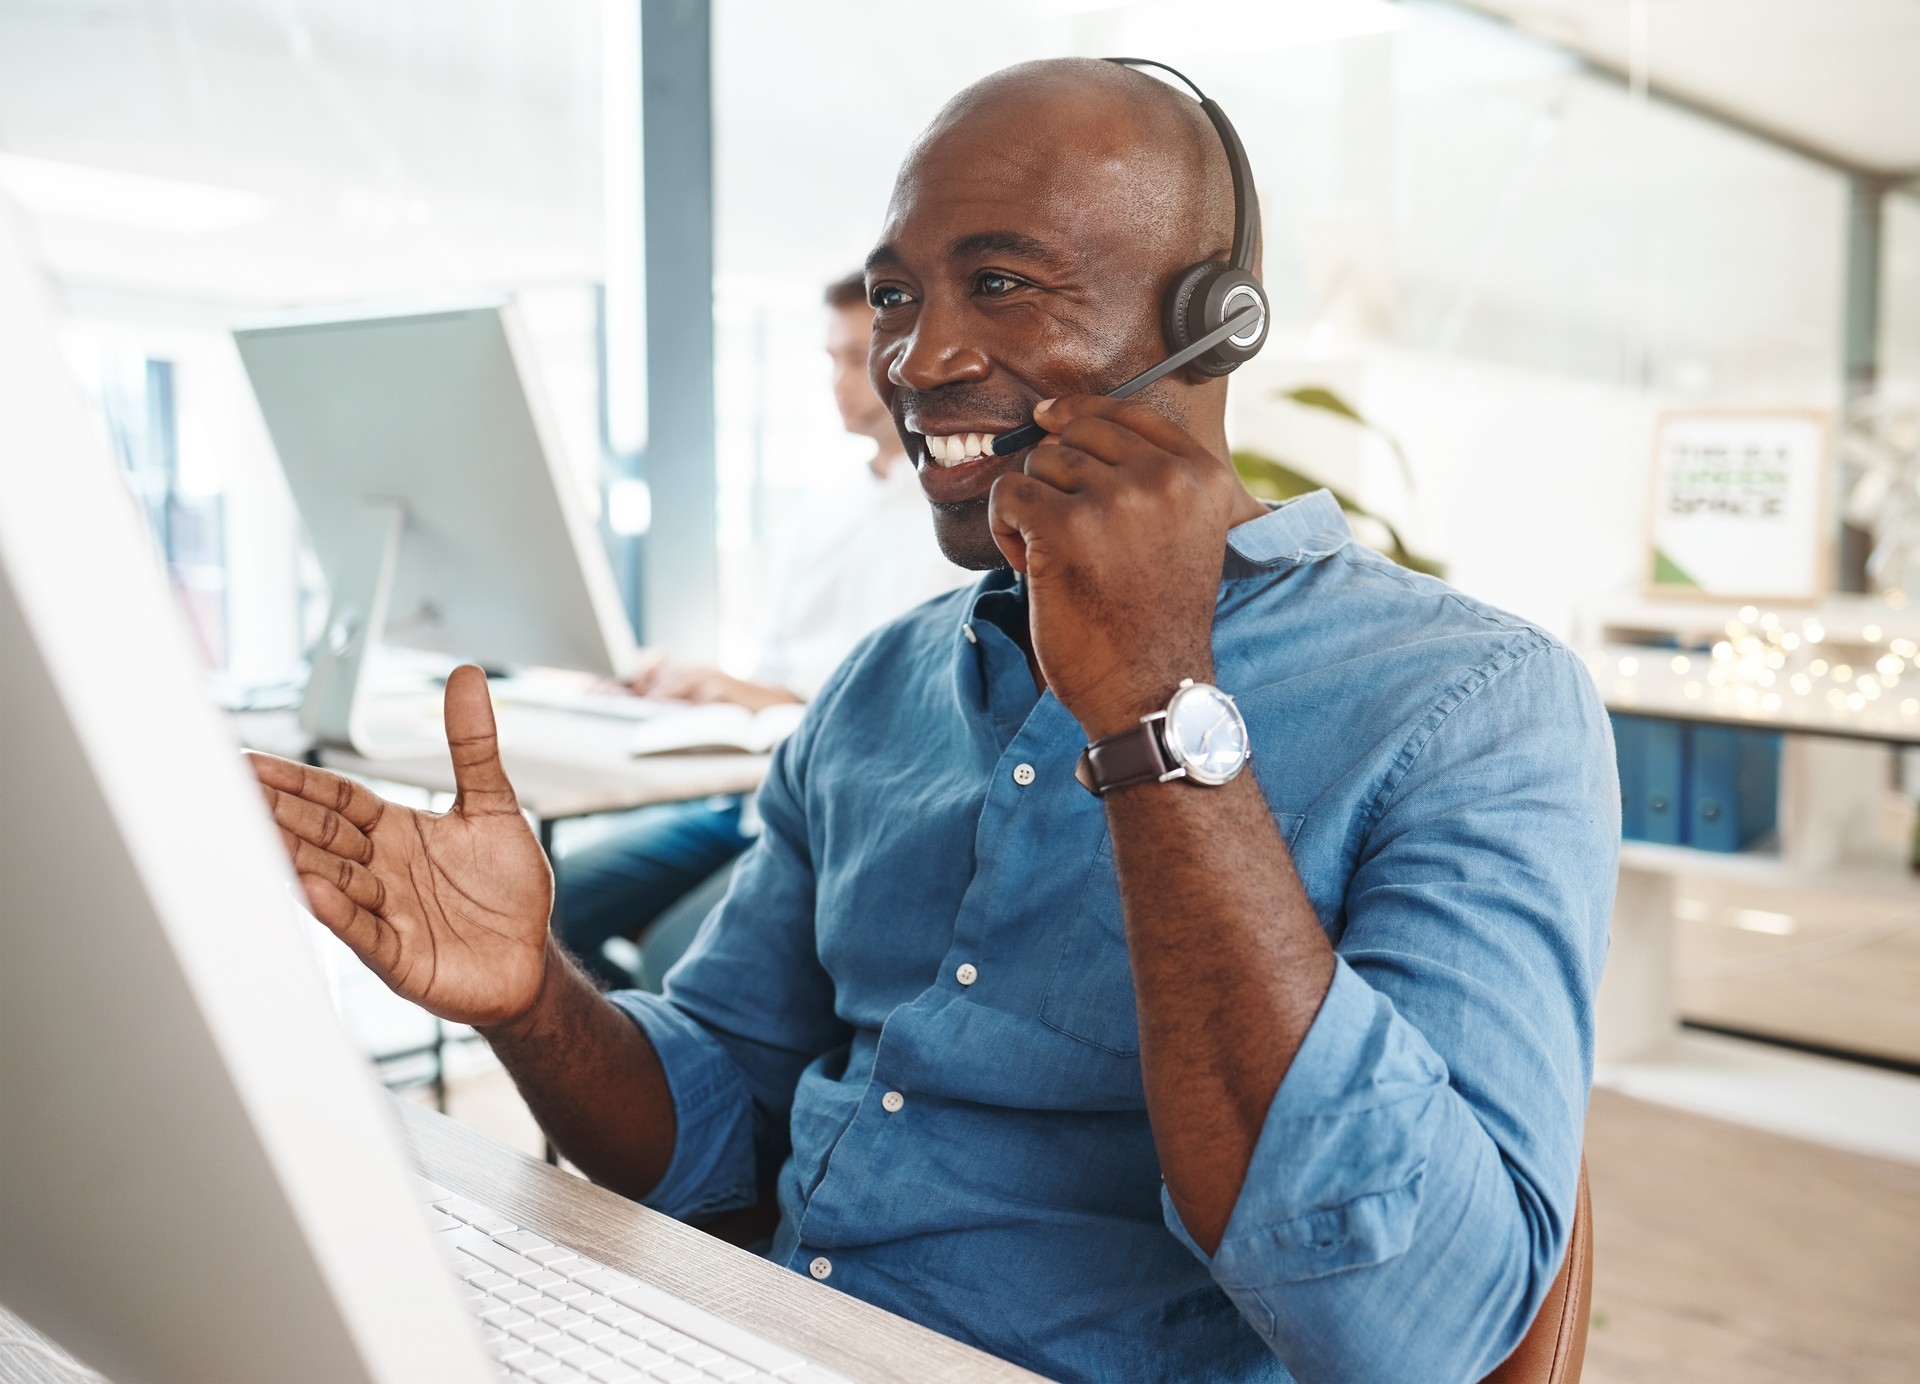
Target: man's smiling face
[(1031, 235)]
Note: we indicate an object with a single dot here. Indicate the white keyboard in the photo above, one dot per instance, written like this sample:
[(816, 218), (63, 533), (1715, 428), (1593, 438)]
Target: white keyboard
[(556, 1317), (618, 705)]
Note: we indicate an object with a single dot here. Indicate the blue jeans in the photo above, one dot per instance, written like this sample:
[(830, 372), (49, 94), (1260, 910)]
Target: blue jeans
[(628, 885)]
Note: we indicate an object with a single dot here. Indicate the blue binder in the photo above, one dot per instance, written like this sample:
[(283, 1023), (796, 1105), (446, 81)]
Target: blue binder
[(1652, 758), (1733, 789)]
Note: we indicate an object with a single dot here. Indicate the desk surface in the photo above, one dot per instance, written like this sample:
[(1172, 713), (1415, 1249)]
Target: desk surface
[(841, 1332), (563, 764)]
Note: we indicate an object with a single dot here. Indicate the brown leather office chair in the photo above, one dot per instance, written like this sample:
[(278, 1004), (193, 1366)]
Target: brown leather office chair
[(1556, 1343)]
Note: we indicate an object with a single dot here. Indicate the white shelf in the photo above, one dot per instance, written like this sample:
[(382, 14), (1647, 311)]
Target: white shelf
[(1845, 620), (1878, 878), (1640, 681)]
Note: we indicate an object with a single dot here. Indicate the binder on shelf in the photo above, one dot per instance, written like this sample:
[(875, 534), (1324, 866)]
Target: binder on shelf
[(1733, 789), (1652, 756)]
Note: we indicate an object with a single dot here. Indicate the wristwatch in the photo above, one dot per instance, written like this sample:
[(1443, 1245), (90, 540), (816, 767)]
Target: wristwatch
[(1200, 737)]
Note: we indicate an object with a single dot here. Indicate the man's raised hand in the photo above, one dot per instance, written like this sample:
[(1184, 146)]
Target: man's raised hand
[(449, 909)]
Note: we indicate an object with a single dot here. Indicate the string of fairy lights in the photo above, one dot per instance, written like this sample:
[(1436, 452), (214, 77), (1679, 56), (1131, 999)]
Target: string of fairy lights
[(1769, 664)]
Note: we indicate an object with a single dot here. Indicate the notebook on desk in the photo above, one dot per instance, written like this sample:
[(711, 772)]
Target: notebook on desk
[(202, 1181)]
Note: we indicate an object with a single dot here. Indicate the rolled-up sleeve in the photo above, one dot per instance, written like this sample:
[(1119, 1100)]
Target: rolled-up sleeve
[(1411, 1194), (745, 1011)]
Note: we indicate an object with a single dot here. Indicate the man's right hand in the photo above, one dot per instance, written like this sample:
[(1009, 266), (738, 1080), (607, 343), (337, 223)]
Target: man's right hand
[(449, 909)]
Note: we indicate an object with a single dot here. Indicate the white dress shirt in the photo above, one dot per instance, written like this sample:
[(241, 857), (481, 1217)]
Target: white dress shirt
[(854, 558)]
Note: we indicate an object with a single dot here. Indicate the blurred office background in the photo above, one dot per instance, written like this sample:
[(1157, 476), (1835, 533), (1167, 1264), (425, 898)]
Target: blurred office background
[(1511, 232)]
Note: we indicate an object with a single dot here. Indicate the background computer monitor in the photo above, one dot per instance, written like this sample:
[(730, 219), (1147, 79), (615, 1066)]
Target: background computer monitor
[(431, 482), (198, 1179)]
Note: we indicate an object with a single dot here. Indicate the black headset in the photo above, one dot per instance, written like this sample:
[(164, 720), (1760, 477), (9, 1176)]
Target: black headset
[(1205, 295)]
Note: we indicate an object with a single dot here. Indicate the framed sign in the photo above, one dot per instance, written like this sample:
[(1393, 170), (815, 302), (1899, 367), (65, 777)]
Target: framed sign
[(1740, 506)]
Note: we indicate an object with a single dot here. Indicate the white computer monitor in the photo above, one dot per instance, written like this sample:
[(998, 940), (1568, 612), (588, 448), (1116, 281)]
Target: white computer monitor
[(431, 481), (199, 1180)]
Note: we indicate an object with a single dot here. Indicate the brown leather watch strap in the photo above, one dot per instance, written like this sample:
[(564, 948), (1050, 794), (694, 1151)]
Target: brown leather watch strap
[(1135, 755)]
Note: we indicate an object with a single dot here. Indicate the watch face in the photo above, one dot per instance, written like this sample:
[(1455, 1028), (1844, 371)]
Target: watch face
[(1205, 734)]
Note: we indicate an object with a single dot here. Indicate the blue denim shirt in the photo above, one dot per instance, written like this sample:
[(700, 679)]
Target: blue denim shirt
[(914, 1009)]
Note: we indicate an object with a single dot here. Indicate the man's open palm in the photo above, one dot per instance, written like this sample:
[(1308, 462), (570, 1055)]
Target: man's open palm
[(449, 909)]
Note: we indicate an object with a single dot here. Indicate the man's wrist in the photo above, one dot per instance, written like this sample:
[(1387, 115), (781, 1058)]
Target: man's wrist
[(1116, 714), (558, 978)]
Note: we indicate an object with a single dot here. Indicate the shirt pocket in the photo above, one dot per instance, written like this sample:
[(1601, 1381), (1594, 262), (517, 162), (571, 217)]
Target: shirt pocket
[(1089, 992)]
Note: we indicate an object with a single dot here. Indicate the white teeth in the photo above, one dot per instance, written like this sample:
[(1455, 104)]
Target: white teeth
[(954, 448)]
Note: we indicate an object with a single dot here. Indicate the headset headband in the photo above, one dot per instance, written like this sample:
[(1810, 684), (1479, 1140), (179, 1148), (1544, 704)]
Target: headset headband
[(1246, 203)]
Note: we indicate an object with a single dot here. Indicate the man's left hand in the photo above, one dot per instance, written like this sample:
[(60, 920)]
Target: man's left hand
[(1120, 527)]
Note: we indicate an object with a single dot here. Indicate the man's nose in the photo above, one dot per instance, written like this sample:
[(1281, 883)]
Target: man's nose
[(938, 351)]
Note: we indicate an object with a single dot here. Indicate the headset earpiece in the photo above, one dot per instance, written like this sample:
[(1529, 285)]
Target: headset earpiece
[(1199, 300), (1206, 295)]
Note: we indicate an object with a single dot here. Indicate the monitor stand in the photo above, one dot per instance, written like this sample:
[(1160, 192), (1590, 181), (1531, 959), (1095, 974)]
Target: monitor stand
[(339, 707)]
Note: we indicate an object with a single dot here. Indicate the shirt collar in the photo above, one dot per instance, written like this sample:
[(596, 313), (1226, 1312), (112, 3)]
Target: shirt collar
[(1292, 533)]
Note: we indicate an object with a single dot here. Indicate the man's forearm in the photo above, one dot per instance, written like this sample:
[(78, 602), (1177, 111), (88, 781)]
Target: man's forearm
[(1229, 968), (591, 1079)]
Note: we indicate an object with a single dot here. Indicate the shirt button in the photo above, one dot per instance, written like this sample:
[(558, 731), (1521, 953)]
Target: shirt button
[(1023, 774), (892, 1101), (967, 629), (966, 975), (820, 1267)]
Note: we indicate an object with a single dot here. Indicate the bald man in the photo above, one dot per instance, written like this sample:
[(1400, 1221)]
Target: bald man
[(1281, 1078)]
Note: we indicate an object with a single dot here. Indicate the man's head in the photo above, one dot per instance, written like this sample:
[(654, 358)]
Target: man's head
[(1033, 232), (849, 333)]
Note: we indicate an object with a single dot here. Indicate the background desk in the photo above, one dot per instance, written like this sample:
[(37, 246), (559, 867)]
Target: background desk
[(857, 1339), (562, 763)]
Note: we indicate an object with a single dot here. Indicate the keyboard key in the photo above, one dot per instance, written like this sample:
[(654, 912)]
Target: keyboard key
[(814, 1374), (592, 1303), (502, 1316), (533, 1331), (730, 1370), (558, 1373), (515, 1292), (615, 1372), (634, 1352), (566, 1319), (487, 1252), (477, 1216), (540, 1278), (592, 1330), (490, 1281), (543, 1307), (607, 1281), (440, 1220), (697, 1355), (572, 1266), (549, 1254), (571, 1292), (613, 1314), (584, 1357), (430, 1191), (523, 1241), (673, 1340), (672, 1372)]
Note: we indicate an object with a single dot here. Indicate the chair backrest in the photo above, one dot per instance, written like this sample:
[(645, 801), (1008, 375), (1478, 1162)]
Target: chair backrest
[(1556, 1343)]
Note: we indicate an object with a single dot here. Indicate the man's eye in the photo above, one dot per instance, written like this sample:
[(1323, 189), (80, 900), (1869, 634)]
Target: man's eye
[(998, 285), (886, 296)]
